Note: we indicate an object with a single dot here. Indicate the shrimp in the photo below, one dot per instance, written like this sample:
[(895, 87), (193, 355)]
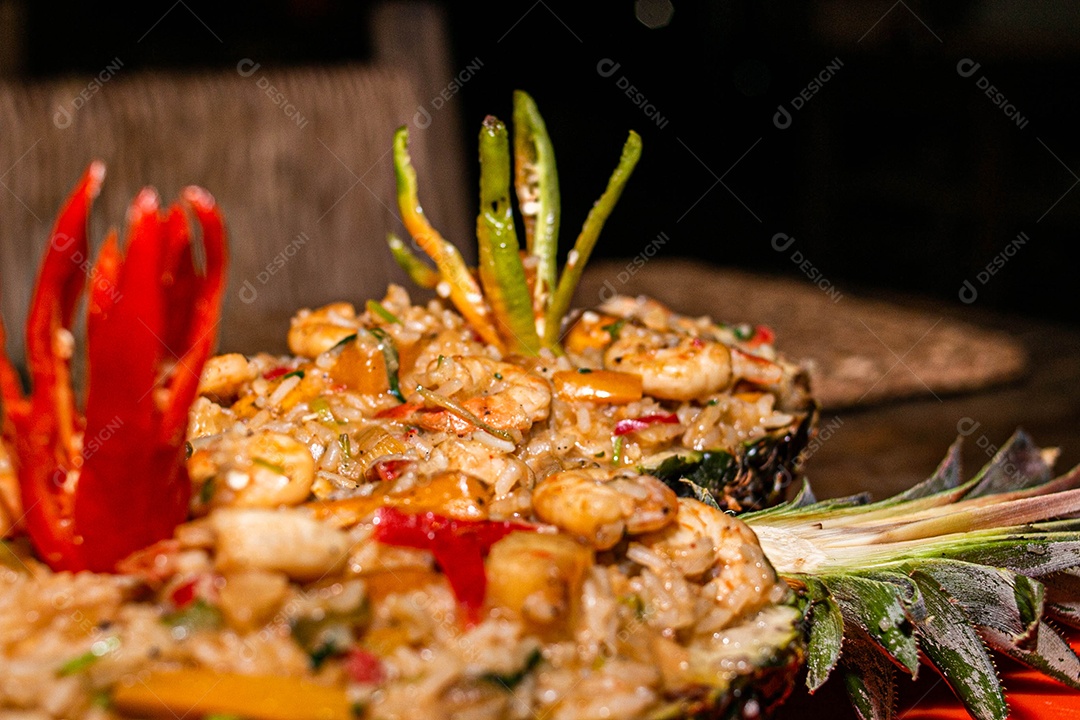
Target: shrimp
[(313, 332), (266, 470), (501, 395), (706, 543), (224, 375), (672, 367), (600, 506), (678, 357)]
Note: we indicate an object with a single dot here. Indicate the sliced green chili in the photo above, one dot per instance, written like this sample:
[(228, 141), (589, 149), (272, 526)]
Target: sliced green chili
[(501, 271), (537, 185), (616, 450), (377, 308), (463, 289), (390, 358), (413, 266), (586, 240)]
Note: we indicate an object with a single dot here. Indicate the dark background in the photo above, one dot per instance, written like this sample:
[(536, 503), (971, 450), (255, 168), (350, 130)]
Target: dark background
[(899, 174)]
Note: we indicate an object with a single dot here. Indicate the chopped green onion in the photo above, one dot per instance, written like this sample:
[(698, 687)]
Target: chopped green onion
[(346, 445), (390, 358), (614, 329), (294, 373), (584, 370), (343, 342), (511, 680), (743, 332), (586, 240), (272, 467), (97, 651), (457, 409), (616, 450), (322, 408), (206, 492), (498, 376), (377, 308), (413, 266), (199, 615)]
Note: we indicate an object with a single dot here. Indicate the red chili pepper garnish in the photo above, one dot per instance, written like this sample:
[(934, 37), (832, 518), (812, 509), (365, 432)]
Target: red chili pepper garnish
[(459, 547), (387, 470), (152, 320), (364, 667), (763, 335), (629, 425), (276, 372), (399, 412), (184, 594)]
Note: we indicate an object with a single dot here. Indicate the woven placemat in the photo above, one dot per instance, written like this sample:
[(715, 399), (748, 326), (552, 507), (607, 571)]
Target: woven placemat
[(858, 351)]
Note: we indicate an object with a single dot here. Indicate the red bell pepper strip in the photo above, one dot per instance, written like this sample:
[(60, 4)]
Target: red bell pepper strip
[(459, 547), (629, 425), (97, 489)]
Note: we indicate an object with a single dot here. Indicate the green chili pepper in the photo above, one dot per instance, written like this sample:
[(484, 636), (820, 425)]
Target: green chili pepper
[(390, 357), (586, 240), (377, 308), (537, 185), (501, 271), (463, 289), (614, 329), (413, 266)]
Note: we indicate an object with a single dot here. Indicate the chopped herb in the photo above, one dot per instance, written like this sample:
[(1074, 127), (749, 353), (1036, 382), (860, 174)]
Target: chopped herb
[(322, 409), (377, 308), (322, 653), (498, 376), (616, 451), (206, 492), (511, 680), (390, 357), (294, 373), (600, 454), (199, 615), (346, 445), (343, 342), (635, 603), (327, 636), (272, 467), (439, 361), (713, 402), (584, 371), (743, 332), (614, 329), (358, 709), (97, 651)]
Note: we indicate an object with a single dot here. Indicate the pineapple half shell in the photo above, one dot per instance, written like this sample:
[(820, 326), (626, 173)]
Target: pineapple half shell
[(940, 574)]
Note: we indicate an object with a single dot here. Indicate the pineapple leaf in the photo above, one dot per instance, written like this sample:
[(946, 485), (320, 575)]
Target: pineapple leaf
[(869, 678), (952, 645), (1031, 554), (995, 598), (1018, 465), (1063, 597), (1051, 655), (826, 636), (876, 607)]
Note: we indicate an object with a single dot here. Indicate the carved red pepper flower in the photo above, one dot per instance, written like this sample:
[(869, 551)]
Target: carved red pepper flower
[(102, 484)]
